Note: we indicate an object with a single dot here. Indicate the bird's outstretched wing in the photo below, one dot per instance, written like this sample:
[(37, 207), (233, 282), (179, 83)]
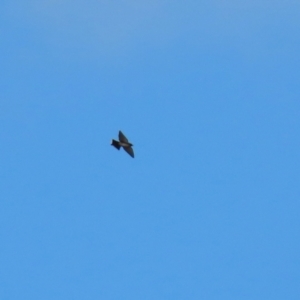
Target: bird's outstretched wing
[(129, 150), (122, 137)]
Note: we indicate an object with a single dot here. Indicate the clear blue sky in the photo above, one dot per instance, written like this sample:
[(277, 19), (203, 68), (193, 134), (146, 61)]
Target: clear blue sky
[(208, 92)]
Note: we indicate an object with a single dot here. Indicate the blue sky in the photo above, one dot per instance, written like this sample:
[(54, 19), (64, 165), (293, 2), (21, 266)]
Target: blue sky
[(208, 93)]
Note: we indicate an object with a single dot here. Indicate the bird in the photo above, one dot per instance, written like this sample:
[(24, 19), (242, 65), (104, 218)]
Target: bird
[(123, 142)]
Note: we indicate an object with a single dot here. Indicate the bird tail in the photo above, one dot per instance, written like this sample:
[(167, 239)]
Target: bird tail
[(116, 144)]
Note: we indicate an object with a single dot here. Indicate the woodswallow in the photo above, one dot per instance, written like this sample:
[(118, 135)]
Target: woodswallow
[(123, 142)]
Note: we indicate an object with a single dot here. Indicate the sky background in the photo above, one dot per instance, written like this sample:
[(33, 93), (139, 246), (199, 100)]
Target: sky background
[(208, 93)]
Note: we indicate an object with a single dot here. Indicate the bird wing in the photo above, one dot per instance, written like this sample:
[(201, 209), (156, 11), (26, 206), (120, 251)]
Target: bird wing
[(129, 150), (122, 137)]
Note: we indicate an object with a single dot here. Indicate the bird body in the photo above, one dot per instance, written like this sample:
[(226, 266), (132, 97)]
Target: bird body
[(123, 143)]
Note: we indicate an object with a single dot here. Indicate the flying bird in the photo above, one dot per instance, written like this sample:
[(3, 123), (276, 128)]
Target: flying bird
[(123, 142)]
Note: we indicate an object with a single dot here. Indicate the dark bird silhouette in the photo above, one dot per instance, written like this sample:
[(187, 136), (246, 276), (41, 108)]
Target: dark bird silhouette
[(123, 142)]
